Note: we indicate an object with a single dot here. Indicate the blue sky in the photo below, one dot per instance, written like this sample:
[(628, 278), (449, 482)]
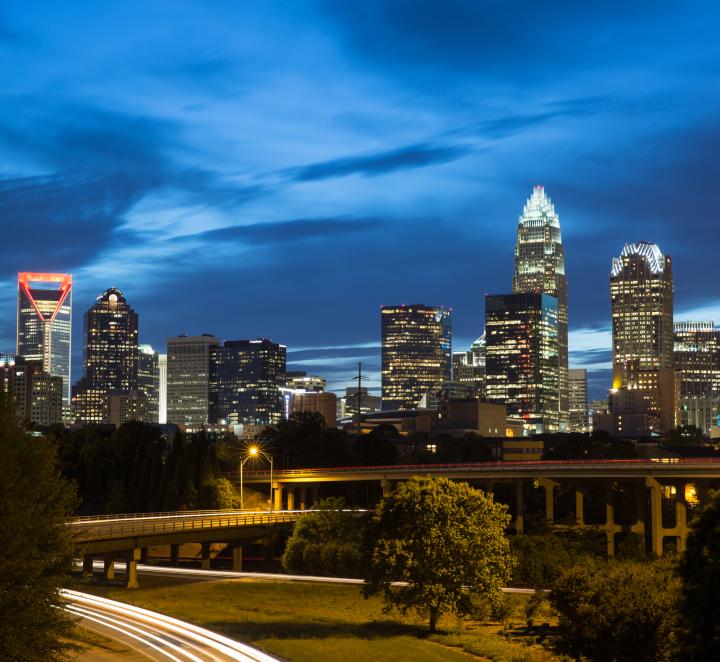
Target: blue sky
[(282, 169)]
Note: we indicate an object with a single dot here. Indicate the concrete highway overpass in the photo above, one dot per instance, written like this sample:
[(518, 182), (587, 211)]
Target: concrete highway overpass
[(657, 484), (127, 537)]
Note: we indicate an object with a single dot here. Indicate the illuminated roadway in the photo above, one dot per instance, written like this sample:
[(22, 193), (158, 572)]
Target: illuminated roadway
[(156, 636)]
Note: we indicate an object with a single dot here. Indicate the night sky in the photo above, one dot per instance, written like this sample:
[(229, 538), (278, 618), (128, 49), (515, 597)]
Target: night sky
[(282, 169)]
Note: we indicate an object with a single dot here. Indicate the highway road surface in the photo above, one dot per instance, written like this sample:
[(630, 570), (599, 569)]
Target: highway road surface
[(156, 636), (215, 575)]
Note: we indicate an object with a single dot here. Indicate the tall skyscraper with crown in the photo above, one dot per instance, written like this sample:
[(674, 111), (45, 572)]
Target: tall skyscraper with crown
[(540, 268)]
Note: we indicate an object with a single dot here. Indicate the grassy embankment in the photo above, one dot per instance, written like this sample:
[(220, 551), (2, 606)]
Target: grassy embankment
[(315, 622)]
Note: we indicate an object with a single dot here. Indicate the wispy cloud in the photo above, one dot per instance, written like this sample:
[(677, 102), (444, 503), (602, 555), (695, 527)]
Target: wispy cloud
[(372, 165)]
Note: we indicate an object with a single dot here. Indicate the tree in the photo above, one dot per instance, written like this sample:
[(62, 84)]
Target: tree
[(328, 541), (619, 611), (446, 540), (37, 552), (699, 571)]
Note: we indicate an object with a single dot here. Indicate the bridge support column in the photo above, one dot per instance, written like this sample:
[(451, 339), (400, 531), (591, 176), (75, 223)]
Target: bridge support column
[(548, 485), (315, 495), (174, 554), (656, 532), (291, 498), (87, 572), (205, 556), (132, 576), (277, 496), (109, 566), (519, 508), (237, 558), (681, 525), (386, 486), (303, 498), (579, 508)]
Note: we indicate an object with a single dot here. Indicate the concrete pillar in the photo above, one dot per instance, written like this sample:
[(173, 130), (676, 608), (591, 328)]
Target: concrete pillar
[(519, 508), (174, 554), (291, 498), (109, 566), (579, 508), (237, 558), (87, 566), (548, 486), (303, 498), (205, 556), (386, 486), (132, 576), (656, 532), (610, 523), (277, 496), (681, 524), (315, 495)]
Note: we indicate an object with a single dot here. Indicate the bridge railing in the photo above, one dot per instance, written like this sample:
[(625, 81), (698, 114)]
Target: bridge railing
[(170, 523), (165, 514)]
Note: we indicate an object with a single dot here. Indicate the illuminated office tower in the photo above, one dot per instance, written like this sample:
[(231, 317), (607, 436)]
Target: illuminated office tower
[(643, 399), (37, 395), (540, 268), (188, 379), (149, 381), (416, 353), (162, 388), (697, 367), (246, 381), (577, 396), (110, 356), (44, 323), (521, 364)]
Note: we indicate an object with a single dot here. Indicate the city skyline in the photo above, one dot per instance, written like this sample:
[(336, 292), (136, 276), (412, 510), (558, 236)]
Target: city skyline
[(234, 160)]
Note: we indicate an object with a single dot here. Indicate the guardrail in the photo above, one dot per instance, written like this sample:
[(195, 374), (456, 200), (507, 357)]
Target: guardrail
[(164, 514), (172, 523), (495, 466)]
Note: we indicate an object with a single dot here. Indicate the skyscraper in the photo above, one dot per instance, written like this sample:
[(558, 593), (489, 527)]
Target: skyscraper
[(416, 353), (643, 399), (44, 323), (522, 370), (641, 294), (246, 378), (540, 267), (149, 381), (188, 379), (110, 356), (577, 393), (162, 388), (697, 367)]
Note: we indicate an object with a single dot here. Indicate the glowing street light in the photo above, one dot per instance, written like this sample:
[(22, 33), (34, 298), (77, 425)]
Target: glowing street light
[(252, 453)]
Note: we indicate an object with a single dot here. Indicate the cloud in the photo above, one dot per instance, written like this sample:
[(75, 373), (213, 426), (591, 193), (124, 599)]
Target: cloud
[(291, 231), (371, 165)]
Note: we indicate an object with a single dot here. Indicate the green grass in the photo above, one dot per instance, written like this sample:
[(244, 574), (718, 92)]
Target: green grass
[(315, 622)]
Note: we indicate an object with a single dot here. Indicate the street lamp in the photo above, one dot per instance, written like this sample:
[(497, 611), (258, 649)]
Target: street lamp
[(252, 453)]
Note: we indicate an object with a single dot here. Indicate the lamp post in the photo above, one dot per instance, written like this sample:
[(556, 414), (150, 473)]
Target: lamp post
[(252, 453)]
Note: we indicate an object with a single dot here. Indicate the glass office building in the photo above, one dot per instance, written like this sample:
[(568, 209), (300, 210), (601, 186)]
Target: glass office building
[(246, 378), (148, 374), (416, 353), (44, 323), (540, 267), (521, 359), (110, 355)]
